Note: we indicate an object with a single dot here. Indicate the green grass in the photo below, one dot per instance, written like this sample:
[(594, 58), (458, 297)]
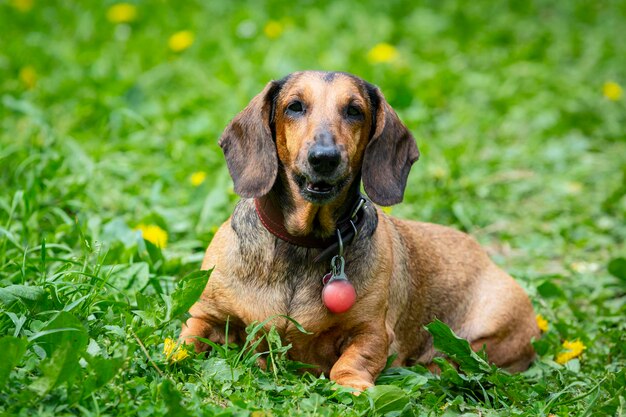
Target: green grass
[(519, 147)]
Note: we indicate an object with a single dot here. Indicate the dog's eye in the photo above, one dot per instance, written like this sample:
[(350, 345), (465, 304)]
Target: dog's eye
[(353, 111), (296, 107)]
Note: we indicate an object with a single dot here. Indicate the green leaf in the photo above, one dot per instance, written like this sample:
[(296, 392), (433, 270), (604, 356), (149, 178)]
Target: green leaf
[(130, 276), (64, 339), (58, 368), (218, 369), (101, 371), (154, 253), (12, 348), (449, 374), (387, 398), (295, 323), (549, 289), (172, 399), (188, 291), (407, 377), (20, 292), (63, 328), (313, 403), (456, 348), (617, 268), (118, 231), (150, 308)]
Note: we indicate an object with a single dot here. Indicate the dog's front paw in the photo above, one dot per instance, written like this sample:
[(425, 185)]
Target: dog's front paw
[(358, 384)]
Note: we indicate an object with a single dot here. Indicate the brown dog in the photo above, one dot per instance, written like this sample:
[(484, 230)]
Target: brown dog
[(297, 154)]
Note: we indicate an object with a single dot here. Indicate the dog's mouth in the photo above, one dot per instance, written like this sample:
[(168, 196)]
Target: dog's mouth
[(318, 191), (319, 188)]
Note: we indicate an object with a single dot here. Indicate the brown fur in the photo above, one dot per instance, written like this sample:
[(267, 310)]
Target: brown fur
[(405, 273)]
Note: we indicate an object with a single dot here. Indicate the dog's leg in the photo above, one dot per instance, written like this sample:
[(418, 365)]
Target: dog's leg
[(510, 347), (204, 325), (363, 359), (502, 320), (192, 330)]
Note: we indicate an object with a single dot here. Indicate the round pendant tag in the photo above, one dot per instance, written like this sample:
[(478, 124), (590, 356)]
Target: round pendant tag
[(338, 295)]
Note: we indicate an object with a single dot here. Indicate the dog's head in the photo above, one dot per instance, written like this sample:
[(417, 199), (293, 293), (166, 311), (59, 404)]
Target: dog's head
[(326, 129)]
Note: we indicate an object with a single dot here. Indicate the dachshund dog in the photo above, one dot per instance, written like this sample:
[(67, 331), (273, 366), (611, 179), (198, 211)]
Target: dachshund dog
[(304, 243)]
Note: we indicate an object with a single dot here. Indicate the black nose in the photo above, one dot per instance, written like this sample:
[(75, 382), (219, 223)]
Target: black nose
[(324, 158)]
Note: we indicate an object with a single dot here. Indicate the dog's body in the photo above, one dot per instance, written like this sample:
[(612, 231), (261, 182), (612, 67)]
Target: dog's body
[(405, 273)]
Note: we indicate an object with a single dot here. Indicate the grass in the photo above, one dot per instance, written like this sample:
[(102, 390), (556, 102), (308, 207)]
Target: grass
[(103, 125)]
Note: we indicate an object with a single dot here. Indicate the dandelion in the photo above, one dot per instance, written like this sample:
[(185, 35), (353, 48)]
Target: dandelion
[(168, 347), (573, 187), (542, 323), (383, 52), (438, 172), (122, 13), (28, 76), (179, 355), (22, 5), (387, 210), (197, 178), (173, 352), (612, 90), (153, 234), (574, 350), (273, 29), (180, 41), (585, 267)]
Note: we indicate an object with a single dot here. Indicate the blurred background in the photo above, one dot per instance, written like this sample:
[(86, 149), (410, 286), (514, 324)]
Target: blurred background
[(111, 112)]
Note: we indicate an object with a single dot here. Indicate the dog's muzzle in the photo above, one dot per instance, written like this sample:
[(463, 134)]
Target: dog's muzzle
[(322, 171), (324, 159)]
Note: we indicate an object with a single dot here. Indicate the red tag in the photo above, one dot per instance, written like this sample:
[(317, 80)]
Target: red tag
[(338, 295)]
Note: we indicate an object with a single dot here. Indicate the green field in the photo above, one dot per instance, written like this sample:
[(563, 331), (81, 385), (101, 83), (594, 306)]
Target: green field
[(109, 120)]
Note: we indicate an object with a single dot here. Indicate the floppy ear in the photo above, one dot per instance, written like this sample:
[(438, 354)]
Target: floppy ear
[(389, 154), (249, 148)]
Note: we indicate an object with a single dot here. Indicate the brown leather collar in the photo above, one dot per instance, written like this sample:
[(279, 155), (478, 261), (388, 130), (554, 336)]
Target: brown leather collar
[(349, 227)]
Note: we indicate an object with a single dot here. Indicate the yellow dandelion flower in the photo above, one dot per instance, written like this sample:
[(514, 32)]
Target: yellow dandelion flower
[(174, 352), (180, 41), (439, 172), (542, 323), (383, 52), (168, 346), (273, 29), (573, 187), (612, 90), (22, 5), (28, 76), (574, 350), (153, 234), (179, 355), (122, 13), (197, 178), (585, 267), (387, 210)]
